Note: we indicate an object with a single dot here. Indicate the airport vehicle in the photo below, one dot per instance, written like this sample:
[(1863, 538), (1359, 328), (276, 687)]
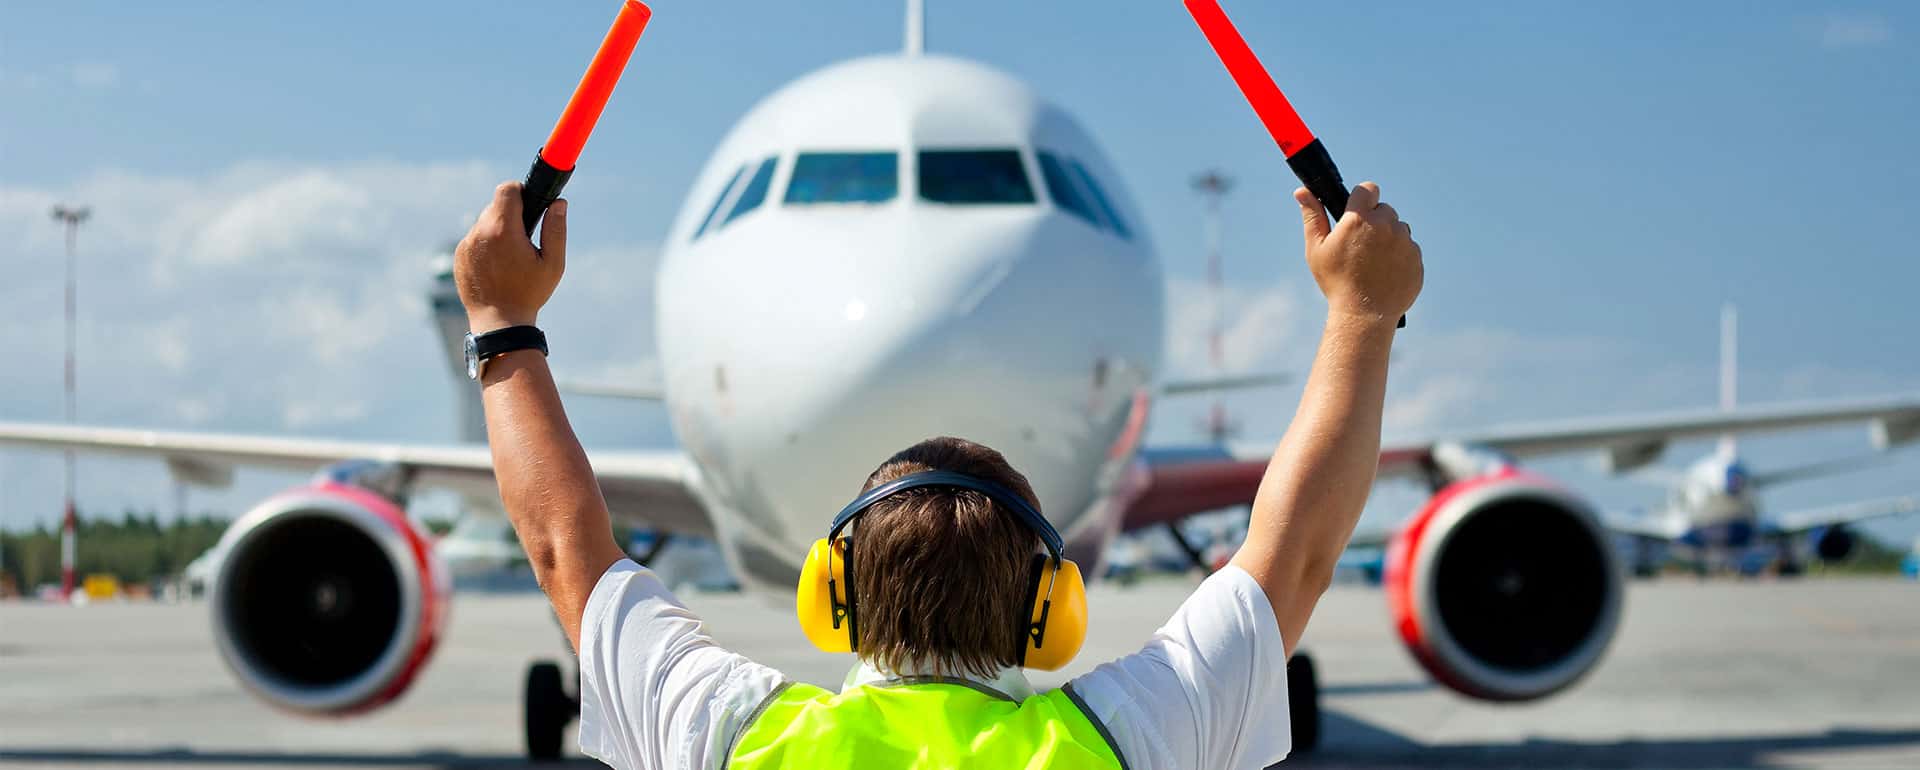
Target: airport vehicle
[(1910, 566), (891, 248), (1713, 508)]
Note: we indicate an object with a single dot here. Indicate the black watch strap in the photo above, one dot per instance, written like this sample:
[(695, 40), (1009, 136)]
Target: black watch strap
[(507, 340)]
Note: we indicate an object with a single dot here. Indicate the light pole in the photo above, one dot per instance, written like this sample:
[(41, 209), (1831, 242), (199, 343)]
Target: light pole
[(3, 521), (1213, 186), (71, 217)]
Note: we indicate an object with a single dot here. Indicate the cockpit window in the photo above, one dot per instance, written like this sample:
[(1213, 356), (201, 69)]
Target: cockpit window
[(707, 221), (1065, 193), (974, 177), (755, 193), (844, 177), (1100, 199)]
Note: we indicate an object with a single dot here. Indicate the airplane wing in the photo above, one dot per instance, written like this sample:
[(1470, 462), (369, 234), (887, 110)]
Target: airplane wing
[(1846, 513), (1642, 525), (1634, 441), (655, 487), (612, 390), (1376, 538), (1226, 383), (1181, 481)]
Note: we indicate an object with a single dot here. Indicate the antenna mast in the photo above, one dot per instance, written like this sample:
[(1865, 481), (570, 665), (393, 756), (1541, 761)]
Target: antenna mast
[(1213, 186)]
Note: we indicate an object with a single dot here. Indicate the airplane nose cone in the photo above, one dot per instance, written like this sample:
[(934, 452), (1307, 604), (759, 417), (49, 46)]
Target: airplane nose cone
[(1003, 332)]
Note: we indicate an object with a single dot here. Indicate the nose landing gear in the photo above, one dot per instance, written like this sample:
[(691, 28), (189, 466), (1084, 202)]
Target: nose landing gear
[(548, 708)]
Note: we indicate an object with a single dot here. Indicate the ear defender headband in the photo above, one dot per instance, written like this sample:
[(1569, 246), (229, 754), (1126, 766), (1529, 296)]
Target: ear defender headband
[(1056, 609)]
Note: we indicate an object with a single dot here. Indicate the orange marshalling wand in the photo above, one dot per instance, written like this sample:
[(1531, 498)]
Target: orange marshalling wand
[(555, 161), (1305, 154)]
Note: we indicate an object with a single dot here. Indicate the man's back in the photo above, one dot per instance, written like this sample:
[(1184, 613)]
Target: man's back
[(1208, 690), (920, 722)]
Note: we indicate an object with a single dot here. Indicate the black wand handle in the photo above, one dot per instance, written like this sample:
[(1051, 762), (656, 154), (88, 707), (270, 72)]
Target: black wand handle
[(1315, 168), (542, 188)]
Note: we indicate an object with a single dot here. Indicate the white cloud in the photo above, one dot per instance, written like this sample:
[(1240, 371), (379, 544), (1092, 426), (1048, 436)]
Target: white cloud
[(324, 411), (95, 74), (1257, 330), (271, 299), (1433, 401), (1854, 31), (1478, 376), (311, 209), (193, 411)]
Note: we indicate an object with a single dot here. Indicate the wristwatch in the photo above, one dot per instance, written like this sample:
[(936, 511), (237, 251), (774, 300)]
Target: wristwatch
[(484, 346)]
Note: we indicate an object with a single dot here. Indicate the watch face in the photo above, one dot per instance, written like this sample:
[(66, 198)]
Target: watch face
[(473, 359)]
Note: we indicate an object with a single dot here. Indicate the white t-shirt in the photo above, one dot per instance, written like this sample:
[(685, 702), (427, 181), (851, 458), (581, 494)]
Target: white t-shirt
[(1209, 690)]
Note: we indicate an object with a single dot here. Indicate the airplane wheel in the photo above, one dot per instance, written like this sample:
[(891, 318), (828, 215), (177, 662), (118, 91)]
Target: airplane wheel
[(1791, 568), (548, 709), (1303, 703)]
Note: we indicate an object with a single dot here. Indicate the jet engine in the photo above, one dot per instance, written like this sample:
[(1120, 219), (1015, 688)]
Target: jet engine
[(1835, 543), (1504, 587), (327, 599)]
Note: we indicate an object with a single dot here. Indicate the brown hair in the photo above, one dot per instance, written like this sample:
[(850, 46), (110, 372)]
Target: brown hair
[(941, 574)]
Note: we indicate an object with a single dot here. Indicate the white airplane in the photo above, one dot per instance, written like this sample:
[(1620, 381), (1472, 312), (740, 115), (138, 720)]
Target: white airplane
[(1713, 508), (891, 248)]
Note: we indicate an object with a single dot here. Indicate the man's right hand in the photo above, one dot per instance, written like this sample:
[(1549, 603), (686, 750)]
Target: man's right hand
[(1368, 265), (502, 278)]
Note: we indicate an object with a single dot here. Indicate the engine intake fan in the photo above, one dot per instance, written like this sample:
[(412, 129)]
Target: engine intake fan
[(1504, 587), (327, 600)]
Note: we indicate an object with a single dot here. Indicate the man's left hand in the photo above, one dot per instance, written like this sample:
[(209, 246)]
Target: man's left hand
[(502, 278)]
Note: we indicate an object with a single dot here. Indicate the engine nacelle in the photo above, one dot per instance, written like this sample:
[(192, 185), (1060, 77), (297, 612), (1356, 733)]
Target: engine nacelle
[(1504, 587), (1835, 543), (327, 600)]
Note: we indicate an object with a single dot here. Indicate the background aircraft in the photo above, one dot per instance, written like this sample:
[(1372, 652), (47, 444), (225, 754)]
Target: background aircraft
[(886, 249), (1713, 510)]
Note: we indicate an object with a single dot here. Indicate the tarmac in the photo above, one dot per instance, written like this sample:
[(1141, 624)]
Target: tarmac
[(1815, 673)]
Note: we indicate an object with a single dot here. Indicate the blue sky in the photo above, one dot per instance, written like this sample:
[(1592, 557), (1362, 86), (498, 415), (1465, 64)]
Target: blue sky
[(1589, 181)]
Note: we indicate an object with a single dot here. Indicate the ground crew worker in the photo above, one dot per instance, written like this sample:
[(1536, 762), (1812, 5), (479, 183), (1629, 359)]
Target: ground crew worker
[(947, 584)]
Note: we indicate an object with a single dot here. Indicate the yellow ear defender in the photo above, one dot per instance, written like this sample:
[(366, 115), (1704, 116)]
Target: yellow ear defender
[(1057, 627), (827, 621)]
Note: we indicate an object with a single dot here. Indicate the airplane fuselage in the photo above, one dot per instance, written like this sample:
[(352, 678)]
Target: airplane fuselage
[(1718, 503), (895, 248)]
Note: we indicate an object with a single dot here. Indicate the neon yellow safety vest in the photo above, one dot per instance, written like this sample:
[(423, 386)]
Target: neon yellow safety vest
[(920, 722)]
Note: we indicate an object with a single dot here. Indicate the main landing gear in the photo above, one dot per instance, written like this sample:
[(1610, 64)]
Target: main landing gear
[(1303, 702), (1303, 683), (547, 710)]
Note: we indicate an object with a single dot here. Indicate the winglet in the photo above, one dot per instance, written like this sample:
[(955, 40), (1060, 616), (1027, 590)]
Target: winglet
[(1729, 369), (916, 28)]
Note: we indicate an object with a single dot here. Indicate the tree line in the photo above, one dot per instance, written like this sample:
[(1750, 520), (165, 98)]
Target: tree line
[(137, 548)]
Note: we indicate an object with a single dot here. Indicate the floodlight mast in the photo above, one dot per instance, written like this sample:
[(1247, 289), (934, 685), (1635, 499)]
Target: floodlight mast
[(71, 217), (1213, 186)]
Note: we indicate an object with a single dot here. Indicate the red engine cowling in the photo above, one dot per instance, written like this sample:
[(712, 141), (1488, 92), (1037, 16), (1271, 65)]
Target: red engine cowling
[(328, 600), (1504, 587)]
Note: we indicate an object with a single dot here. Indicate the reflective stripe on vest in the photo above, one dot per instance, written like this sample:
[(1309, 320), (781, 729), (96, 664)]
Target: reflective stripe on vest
[(920, 723)]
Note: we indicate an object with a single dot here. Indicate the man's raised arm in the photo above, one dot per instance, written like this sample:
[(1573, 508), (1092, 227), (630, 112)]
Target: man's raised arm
[(548, 488), (1369, 268)]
